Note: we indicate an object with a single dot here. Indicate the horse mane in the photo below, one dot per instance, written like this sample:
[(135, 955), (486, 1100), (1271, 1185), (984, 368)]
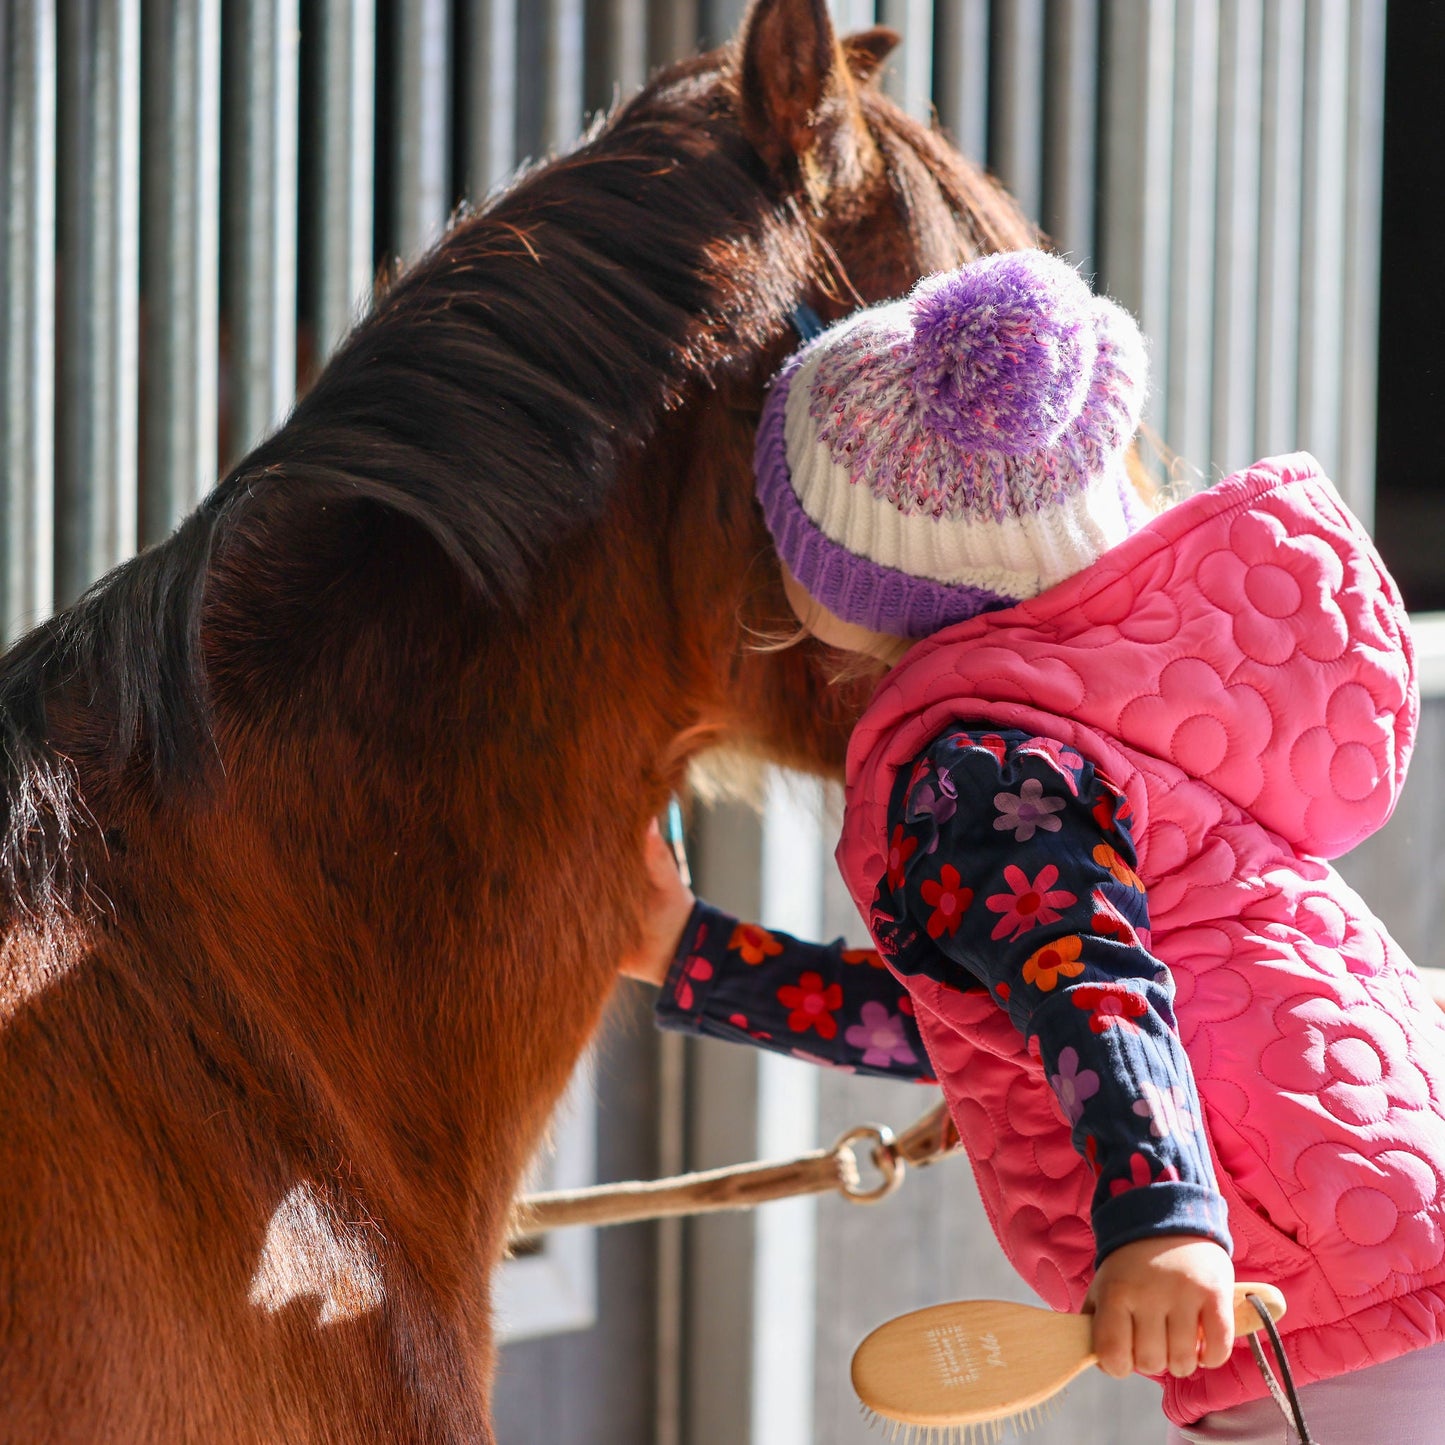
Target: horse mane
[(488, 397)]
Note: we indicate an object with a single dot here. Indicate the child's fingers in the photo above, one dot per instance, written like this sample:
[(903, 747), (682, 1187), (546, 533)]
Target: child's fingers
[(1151, 1342), (1216, 1326), (1114, 1341), (1184, 1337)]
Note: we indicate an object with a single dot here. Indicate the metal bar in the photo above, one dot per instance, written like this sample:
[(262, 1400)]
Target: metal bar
[(180, 251), (345, 166), (261, 59), (1360, 349), (421, 124), (908, 74), (1135, 159), (618, 57), (961, 74), (490, 99), (1282, 139), (1236, 233), (96, 461), (563, 51), (1016, 137), (1189, 371), (671, 1261), (673, 30), (1322, 249), (27, 315), (853, 15), (1071, 113)]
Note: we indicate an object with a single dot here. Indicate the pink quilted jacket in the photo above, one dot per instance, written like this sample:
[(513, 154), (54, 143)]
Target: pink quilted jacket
[(1242, 669)]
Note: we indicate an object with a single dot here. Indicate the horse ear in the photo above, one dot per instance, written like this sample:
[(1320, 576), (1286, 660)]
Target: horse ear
[(791, 70), (868, 49)]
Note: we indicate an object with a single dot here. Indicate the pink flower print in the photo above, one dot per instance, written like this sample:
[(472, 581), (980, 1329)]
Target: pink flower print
[(811, 1005), (1141, 1174), (1110, 1005), (880, 1036), (1108, 922), (1064, 761), (1028, 903), (1026, 811), (949, 900), (988, 742), (1112, 809), (900, 849), (937, 799), (1073, 1085), (695, 968), (1167, 1110)]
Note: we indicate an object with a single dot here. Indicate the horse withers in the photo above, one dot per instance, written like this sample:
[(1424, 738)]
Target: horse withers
[(321, 822)]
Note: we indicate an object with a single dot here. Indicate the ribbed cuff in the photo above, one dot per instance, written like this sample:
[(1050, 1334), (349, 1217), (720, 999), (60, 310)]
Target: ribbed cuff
[(667, 1012), (1169, 1207)]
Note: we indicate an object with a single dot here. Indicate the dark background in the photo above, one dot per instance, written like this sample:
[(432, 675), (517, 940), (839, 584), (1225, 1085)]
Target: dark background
[(1410, 505)]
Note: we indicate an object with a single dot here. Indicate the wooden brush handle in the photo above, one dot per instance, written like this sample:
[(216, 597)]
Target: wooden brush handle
[(1246, 1317)]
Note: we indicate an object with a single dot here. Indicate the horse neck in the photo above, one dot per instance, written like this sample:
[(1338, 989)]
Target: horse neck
[(379, 907)]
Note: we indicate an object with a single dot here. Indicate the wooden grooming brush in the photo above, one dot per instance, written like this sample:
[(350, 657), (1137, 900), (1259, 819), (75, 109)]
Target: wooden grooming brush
[(958, 1374)]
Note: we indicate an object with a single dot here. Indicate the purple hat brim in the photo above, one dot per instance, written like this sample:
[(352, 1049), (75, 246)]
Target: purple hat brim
[(853, 588)]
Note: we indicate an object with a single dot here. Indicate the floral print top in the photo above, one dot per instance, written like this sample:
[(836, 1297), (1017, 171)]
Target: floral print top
[(1010, 868)]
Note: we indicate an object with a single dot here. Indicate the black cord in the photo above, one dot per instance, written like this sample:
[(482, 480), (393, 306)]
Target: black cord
[(1267, 1320)]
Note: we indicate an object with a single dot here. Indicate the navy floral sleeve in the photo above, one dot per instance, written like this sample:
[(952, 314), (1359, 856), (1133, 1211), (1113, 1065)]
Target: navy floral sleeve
[(1010, 868), (825, 1003)]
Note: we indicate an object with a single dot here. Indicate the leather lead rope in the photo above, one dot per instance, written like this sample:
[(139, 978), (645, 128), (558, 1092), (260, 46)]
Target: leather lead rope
[(743, 1186), (1287, 1398)]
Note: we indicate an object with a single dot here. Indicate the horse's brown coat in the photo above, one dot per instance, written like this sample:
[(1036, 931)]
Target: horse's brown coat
[(320, 824)]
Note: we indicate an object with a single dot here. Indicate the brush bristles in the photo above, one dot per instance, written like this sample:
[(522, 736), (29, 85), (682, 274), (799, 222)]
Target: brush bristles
[(986, 1432)]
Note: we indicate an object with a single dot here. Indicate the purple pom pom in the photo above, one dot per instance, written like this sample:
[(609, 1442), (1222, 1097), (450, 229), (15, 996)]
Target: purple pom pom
[(1003, 351)]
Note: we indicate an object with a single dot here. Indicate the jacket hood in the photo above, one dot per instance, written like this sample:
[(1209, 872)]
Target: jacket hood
[(1249, 637)]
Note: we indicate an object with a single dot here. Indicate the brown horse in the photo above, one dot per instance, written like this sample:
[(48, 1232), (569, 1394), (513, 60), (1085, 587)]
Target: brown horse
[(320, 823)]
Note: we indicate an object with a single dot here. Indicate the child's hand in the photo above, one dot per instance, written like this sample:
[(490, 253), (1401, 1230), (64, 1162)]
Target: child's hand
[(668, 907), (1163, 1304)]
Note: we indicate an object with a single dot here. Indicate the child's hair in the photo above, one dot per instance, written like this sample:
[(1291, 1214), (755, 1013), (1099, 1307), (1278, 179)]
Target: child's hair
[(957, 451)]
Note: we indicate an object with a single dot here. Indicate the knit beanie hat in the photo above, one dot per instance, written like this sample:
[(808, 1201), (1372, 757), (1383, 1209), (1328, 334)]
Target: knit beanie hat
[(958, 451)]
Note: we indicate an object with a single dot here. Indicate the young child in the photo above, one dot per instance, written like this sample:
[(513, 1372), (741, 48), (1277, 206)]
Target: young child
[(1086, 818)]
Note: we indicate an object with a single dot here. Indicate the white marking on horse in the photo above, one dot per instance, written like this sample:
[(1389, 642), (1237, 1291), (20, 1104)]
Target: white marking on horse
[(311, 1250)]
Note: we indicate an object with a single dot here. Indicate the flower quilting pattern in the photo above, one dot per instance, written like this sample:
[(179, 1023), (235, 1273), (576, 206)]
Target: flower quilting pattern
[(1197, 720), (1354, 1061), (1341, 762), (1290, 584), (1385, 1202)]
